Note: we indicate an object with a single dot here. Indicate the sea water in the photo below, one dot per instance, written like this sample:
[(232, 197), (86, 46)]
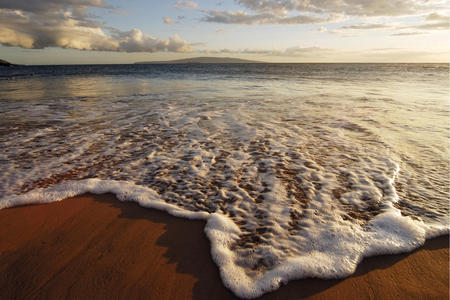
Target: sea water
[(300, 170)]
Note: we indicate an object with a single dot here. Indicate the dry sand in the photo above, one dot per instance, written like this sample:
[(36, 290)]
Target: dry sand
[(97, 247)]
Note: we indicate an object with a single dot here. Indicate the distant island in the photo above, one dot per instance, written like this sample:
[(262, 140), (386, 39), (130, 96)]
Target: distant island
[(6, 63), (204, 60)]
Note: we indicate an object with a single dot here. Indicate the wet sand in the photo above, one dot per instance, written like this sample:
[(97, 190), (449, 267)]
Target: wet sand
[(94, 246)]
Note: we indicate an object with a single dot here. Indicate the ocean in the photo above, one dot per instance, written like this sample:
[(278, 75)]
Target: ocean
[(300, 170)]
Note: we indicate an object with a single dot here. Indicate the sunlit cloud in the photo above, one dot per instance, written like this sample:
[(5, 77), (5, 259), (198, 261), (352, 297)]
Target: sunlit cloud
[(257, 12), (433, 26), (241, 17), (185, 5), (290, 52), (67, 24), (367, 26), (408, 33), (417, 29), (436, 17), (346, 7), (168, 20), (318, 54), (136, 41)]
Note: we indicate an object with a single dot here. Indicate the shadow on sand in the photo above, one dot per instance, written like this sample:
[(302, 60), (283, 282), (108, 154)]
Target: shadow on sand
[(191, 252), (96, 247)]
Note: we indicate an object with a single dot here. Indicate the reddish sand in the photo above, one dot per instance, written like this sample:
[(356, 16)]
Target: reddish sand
[(97, 247)]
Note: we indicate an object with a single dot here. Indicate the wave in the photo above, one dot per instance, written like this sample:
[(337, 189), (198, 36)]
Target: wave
[(295, 178), (337, 251)]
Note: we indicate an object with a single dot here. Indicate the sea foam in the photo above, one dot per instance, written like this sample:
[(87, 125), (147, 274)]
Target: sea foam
[(337, 251), (297, 173)]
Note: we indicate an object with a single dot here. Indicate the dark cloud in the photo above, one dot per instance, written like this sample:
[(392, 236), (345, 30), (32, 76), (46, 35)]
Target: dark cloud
[(37, 24), (42, 6)]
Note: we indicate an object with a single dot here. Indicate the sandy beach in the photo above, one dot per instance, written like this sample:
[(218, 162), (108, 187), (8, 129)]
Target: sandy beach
[(94, 246)]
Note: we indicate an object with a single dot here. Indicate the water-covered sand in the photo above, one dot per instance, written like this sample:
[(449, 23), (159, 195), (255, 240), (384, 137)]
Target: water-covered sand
[(98, 247)]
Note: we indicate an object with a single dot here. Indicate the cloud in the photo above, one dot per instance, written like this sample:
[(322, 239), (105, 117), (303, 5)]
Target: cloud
[(427, 26), (344, 33), (433, 26), (136, 41), (39, 24), (241, 17), (198, 44), (185, 5), (230, 17), (308, 19), (288, 52), (317, 54), (346, 7), (436, 17), (168, 20), (120, 12), (278, 7), (366, 26), (42, 6), (261, 12), (408, 33)]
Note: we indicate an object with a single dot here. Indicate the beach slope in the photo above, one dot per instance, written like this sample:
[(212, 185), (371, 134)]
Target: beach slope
[(94, 246)]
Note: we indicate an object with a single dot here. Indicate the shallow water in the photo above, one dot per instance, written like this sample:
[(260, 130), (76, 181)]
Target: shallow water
[(300, 169)]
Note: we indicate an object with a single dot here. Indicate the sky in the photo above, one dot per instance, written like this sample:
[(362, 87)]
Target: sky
[(113, 31)]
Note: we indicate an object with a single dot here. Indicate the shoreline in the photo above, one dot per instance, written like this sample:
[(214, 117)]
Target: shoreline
[(94, 246)]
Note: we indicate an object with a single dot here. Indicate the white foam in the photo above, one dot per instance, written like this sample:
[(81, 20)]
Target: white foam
[(337, 251), (294, 180), (125, 191)]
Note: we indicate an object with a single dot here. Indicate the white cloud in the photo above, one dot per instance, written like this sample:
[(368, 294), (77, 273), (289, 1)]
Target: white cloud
[(67, 24), (168, 20), (136, 41), (185, 5)]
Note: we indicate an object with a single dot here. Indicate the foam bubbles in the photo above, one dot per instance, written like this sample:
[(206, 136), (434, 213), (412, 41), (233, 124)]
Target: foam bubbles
[(335, 252), (293, 182)]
